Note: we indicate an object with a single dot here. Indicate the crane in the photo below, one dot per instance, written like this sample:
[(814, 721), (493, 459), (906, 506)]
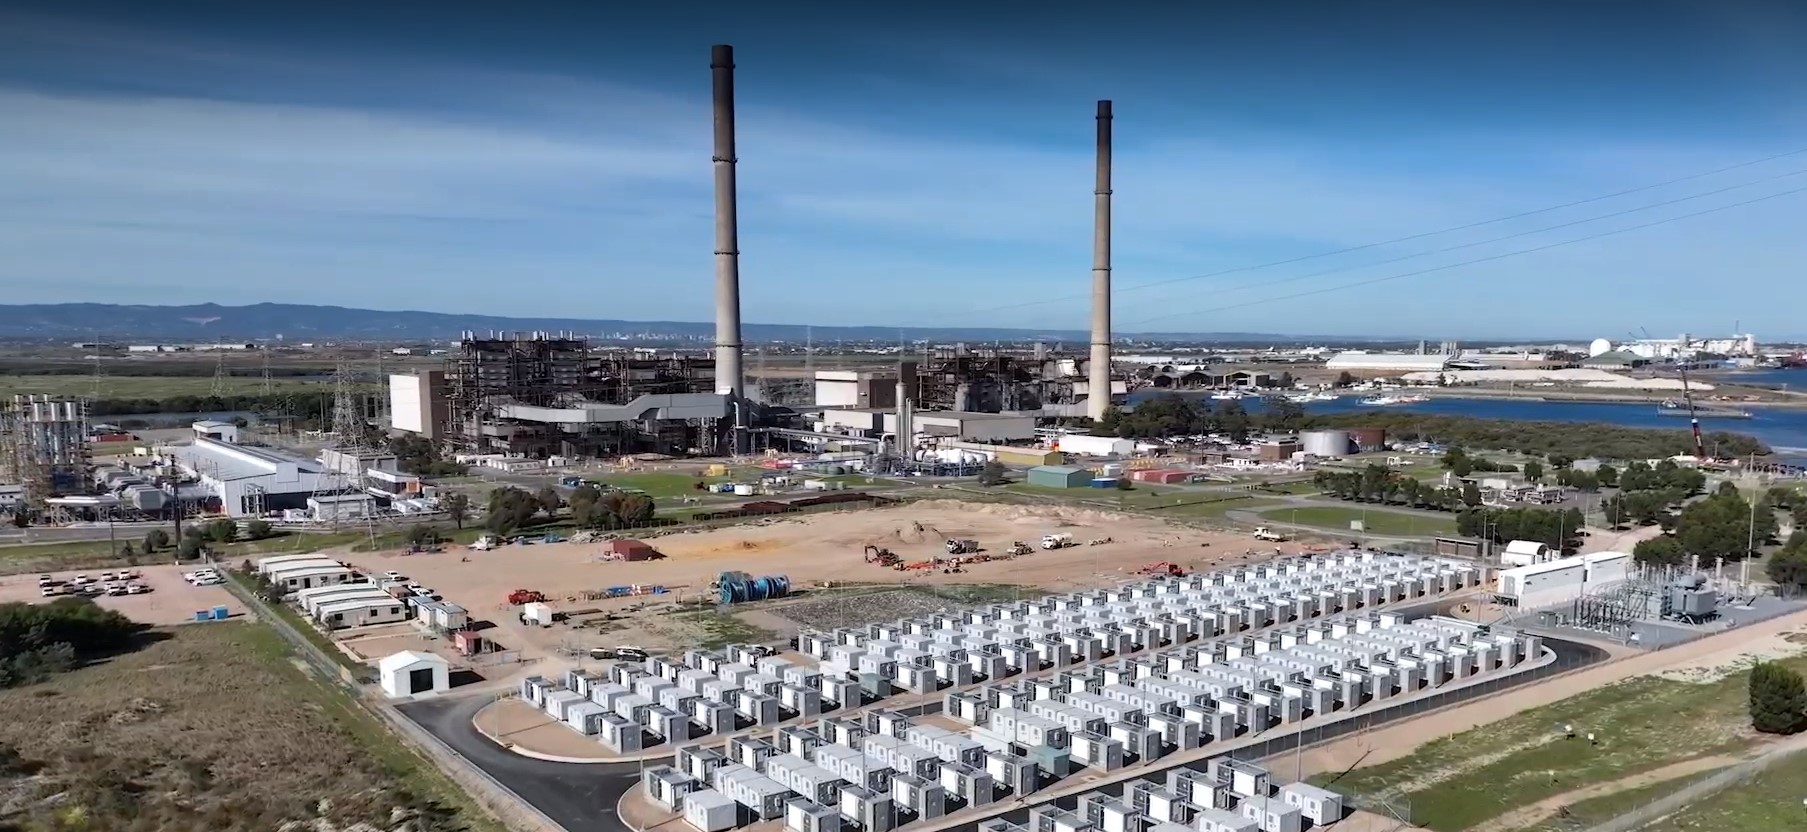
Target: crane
[(1681, 368)]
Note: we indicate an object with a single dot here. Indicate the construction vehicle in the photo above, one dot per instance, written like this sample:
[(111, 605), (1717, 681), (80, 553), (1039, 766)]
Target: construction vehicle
[(1057, 541), (1265, 533), (881, 556), (526, 596), (1162, 568), (1018, 549), (962, 547)]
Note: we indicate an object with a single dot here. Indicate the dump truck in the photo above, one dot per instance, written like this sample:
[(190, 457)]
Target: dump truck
[(1057, 541), (1265, 533), (526, 596), (962, 547)]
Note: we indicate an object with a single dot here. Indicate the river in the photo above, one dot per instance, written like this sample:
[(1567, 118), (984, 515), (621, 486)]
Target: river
[(1784, 430)]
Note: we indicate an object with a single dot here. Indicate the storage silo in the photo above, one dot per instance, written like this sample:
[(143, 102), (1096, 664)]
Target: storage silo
[(1368, 440), (1325, 442)]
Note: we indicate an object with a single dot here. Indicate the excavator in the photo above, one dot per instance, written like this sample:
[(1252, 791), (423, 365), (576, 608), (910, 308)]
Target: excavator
[(1162, 569), (1018, 549), (881, 556)]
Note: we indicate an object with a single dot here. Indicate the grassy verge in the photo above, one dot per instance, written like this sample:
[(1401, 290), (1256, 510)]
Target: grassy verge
[(721, 629), (1642, 724), (293, 618), (1374, 520), (150, 387), (1768, 802), (212, 726), (1586, 814)]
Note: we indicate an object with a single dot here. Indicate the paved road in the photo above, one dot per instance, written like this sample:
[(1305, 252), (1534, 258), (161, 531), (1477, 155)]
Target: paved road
[(582, 797)]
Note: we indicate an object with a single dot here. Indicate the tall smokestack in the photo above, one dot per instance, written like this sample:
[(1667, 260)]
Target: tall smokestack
[(1098, 377), (728, 377)]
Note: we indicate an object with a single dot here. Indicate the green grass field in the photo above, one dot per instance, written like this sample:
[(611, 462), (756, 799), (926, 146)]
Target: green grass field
[(1375, 520), (150, 387), (1457, 782), (1769, 802)]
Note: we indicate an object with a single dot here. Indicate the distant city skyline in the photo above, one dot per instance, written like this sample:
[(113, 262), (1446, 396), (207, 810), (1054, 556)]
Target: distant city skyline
[(552, 160)]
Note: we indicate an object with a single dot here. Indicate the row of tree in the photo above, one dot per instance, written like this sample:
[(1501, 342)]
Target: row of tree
[(1556, 528), (511, 509), (1380, 484), (1167, 417)]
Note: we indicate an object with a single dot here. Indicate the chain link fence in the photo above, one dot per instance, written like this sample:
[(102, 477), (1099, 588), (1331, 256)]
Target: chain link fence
[(499, 800), (1674, 797)]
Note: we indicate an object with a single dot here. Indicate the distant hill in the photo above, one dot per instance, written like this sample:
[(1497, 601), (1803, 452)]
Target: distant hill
[(302, 323)]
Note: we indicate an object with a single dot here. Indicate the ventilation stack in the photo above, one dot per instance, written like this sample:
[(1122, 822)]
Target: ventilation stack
[(728, 377), (1098, 378)]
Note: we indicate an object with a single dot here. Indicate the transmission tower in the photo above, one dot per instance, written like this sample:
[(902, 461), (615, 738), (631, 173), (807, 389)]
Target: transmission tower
[(265, 390), (218, 390)]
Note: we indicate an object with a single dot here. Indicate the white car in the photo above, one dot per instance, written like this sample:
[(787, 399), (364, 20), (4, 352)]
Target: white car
[(106, 577), (46, 580), (50, 590), (81, 580), (136, 589), (393, 575)]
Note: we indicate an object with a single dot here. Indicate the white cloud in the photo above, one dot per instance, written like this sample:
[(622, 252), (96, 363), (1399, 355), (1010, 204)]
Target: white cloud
[(541, 194)]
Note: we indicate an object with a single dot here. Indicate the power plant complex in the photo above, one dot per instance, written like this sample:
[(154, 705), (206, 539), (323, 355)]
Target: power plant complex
[(540, 395)]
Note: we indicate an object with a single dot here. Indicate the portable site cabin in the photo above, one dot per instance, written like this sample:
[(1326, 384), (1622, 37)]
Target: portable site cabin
[(264, 565), (632, 550), (310, 600), (413, 673), (361, 612), (292, 577)]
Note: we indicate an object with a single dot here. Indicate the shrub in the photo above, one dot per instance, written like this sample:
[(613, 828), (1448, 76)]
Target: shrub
[(257, 529), (1778, 699)]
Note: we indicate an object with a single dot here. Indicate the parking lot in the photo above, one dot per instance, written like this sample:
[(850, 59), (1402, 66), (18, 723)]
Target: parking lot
[(168, 599)]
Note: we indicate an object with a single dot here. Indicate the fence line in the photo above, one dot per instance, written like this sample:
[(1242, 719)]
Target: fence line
[(513, 810), (1680, 797)]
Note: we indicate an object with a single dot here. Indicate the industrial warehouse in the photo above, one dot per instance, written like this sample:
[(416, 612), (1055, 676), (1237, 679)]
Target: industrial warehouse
[(1234, 654)]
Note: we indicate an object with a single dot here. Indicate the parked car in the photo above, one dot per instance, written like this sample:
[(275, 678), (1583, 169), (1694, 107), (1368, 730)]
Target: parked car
[(393, 575), (136, 589), (46, 580), (50, 590)]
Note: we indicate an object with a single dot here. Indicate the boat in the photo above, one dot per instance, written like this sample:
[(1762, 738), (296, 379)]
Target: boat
[(1671, 407), (1227, 395), (1381, 401), (1307, 398)]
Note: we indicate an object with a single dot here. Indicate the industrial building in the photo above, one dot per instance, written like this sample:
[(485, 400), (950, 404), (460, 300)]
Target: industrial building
[(540, 394), (971, 427), (413, 673), (1547, 583), (247, 480), (44, 447), (1059, 476)]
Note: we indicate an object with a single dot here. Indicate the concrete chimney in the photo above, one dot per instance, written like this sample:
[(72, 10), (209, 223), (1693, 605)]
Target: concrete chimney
[(728, 377), (1098, 375)]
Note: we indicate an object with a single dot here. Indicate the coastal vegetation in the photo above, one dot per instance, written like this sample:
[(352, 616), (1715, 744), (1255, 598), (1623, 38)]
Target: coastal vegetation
[(1573, 440)]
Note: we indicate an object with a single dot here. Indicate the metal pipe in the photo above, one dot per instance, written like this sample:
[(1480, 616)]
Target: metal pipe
[(1098, 375), (728, 377)]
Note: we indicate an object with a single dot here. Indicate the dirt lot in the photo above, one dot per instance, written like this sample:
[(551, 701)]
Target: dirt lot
[(812, 549), (171, 600)]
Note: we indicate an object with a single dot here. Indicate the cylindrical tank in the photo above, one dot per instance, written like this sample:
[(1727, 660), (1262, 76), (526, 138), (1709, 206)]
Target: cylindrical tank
[(1368, 439), (1325, 442)]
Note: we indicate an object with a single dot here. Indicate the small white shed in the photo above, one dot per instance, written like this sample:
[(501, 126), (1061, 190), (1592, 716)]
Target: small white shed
[(413, 673)]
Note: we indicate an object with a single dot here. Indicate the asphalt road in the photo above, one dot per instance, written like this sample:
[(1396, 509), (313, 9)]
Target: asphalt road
[(582, 796), (579, 797)]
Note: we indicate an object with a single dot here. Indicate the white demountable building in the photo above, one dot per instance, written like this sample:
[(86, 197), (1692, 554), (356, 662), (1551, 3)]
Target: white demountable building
[(1525, 553), (414, 673)]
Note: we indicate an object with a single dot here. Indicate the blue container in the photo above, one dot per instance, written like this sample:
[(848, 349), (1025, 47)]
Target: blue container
[(219, 613), (1103, 482), (203, 615)]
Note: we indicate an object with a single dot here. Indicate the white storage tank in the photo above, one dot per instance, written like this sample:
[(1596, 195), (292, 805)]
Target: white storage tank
[(1325, 442)]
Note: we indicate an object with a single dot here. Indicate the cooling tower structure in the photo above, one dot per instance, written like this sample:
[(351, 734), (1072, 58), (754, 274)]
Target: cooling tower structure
[(44, 445), (1098, 371), (729, 380)]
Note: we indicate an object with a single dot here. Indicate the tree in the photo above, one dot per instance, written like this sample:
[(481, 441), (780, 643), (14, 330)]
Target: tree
[(1533, 471), (1123, 484), (189, 549), (258, 529), (1778, 699), (1608, 475), (457, 507), (1471, 494), (993, 473), (1285, 381), (1659, 551), (223, 530), (423, 535), (1345, 379), (1284, 414), (549, 501), (1560, 461), (126, 551), (1788, 567), (19, 519)]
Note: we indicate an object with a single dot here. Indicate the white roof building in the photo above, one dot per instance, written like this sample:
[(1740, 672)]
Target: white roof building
[(414, 673), (249, 480)]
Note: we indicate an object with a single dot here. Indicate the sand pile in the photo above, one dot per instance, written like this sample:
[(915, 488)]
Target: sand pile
[(1713, 667)]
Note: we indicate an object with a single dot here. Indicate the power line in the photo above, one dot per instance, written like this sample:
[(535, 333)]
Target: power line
[(1410, 237), (1487, 259)]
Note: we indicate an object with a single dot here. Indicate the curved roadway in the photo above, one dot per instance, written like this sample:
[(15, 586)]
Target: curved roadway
[(581, 797)]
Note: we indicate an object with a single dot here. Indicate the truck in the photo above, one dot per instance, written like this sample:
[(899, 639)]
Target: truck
[(1060, 540), (962, 547), (1265, 533)]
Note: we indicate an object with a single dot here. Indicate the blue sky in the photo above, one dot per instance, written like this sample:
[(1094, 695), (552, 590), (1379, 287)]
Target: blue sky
[(921, 164)]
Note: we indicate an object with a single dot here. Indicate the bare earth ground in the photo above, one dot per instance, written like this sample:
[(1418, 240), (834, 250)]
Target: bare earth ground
[(1401, 739), (1607, 540), (171, 600), (810, 550)]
